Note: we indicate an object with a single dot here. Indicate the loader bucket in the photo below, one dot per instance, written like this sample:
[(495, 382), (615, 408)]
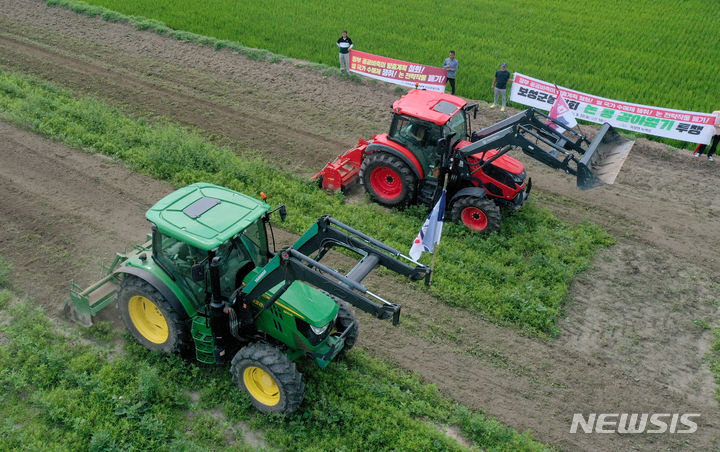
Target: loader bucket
[(602, 161)]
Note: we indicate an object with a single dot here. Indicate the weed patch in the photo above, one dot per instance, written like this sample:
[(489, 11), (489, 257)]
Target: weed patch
[(713, 360), (61, 393), (5, 268)]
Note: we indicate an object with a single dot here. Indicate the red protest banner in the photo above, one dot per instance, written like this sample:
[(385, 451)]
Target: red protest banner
[(399, 72)]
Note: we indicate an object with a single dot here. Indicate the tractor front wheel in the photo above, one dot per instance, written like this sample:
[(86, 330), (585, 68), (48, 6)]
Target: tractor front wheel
[(388, 179), (150, 318), (346, 319), (269, 377), (479, 214)]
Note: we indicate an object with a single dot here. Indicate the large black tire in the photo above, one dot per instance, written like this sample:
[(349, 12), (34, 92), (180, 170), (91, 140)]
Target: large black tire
[(346, 319), (478, 214), (388, 179), (269, 377), (151, 319)]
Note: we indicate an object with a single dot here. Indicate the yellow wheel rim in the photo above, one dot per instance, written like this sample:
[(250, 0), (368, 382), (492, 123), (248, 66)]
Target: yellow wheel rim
[(261, 386), (148, 319)]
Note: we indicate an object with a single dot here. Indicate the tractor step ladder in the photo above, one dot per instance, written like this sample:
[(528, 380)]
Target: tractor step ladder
[(203, 339)]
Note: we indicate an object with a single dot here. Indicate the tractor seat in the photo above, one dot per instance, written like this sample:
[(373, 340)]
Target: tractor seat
[(183, 252), (418, 133)]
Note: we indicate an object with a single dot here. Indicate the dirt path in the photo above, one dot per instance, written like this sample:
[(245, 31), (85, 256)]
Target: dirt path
[(629, 341)]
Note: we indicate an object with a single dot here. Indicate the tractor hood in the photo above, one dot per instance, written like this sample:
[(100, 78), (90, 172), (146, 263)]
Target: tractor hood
[(505, 161), (301, 300)]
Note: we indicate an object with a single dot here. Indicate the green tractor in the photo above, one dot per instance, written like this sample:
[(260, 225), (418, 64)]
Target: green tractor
[(207, 285)]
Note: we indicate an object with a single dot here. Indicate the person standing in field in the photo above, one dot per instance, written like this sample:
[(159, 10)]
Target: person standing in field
[(715, 139), (499, 85), (451, 65), (344, 44)]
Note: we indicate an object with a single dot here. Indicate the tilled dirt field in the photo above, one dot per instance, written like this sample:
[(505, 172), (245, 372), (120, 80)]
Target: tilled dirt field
[(629, 341)]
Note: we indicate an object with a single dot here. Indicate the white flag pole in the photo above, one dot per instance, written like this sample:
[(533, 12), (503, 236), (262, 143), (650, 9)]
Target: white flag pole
[(436, 246)]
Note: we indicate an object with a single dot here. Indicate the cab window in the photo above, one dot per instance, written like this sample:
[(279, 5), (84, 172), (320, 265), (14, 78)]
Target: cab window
[(176, 254), (458, 125), (255, 239), (420, 136)]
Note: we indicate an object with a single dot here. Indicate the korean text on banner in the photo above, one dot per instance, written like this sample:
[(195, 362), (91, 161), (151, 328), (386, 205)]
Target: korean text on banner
[(663, 122), (398, 72)]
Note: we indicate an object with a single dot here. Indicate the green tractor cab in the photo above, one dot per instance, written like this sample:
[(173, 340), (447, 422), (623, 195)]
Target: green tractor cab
[(207, 285)]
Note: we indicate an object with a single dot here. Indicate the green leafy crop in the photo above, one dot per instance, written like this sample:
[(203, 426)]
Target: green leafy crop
[(63, 393)]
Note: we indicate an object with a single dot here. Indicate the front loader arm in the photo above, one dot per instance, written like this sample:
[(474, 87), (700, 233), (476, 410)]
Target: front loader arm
[(595, 162), (289, 265), (528, 134), (328, 232), (294, 264)]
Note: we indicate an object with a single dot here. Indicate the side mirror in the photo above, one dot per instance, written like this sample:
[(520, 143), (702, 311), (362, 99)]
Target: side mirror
[(283, 212), (198, 272)]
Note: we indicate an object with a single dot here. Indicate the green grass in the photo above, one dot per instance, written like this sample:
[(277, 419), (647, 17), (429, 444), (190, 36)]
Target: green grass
[(5, 268), (63, 392), (520, 275), (657, 52), (713, 360)]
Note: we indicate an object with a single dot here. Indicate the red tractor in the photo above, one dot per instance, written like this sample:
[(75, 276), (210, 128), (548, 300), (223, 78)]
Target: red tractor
[(430, 144)]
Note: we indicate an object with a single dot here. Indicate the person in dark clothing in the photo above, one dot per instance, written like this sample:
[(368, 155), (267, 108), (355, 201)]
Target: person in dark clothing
[(499, 85), (344, 43), (713, 143), (451, 65)]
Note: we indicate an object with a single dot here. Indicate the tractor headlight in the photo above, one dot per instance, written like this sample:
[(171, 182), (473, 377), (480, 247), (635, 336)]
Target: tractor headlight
[(519, 178), (315, 335), (319, 331)]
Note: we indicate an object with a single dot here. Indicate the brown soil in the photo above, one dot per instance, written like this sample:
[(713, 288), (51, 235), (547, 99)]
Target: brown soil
[(630, 342)]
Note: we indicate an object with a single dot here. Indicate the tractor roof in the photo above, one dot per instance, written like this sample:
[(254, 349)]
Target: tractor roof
[(205, 215), (429, 105)]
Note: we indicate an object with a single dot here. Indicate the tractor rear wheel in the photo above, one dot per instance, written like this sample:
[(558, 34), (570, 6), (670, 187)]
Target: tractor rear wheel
[(150, 318), (388, 179), (269, 377), (346, 319), (479, 214)]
